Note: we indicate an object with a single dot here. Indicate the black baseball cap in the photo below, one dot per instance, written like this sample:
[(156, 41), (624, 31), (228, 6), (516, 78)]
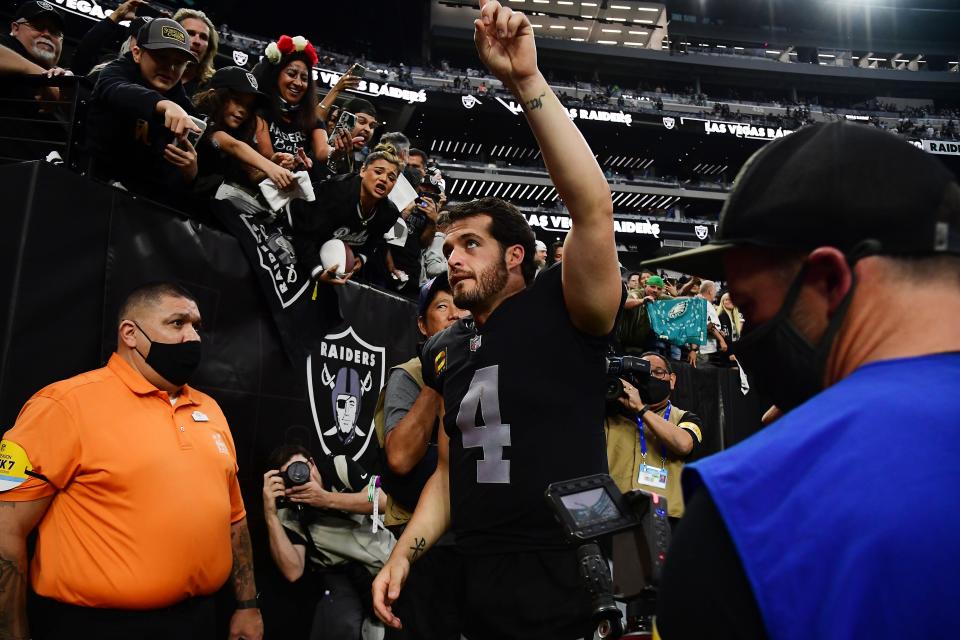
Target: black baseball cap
[(360, 105), (429, 291), (136, 24), (851, 186), (35, 9), (238, 79), (164, 33)]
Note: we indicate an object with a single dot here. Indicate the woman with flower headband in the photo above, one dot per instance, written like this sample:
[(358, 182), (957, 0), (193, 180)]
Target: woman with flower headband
[(289, 122)]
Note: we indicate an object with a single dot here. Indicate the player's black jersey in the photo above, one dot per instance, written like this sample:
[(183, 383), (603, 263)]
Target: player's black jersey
[(524, 407)]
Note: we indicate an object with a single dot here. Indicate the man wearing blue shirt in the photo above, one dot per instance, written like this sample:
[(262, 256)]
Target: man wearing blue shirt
[(839, 519)]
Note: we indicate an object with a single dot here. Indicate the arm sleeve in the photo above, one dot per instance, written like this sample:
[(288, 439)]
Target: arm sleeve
[(103, 36), (119, 93), (703, 567), (50, 438), (428, 363), (402, 392), (692, 424)]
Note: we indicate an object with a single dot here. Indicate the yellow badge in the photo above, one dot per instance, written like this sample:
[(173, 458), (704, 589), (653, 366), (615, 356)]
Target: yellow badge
[(13, 465), (173, 34), (440, 362)]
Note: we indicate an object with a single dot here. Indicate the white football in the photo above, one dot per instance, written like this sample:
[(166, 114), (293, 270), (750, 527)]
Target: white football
[(337, 252)]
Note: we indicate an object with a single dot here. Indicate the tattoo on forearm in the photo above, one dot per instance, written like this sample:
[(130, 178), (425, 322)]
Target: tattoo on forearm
[(419, 544), (243, 583), (536, 103), (13, 596)]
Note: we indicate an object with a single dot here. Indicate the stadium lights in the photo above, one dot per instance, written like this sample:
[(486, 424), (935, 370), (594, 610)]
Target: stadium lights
[(774, 52), (610, 30), (633, 44), (589, 4), (643, 21), (738, 48), (639, 33), (557, 26), (577, 39), (541, 1), (606, 42), (564, 2), (617, 19), (619, 6), (581, 28)]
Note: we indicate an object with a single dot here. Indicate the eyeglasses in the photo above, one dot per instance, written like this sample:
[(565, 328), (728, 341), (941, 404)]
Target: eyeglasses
[(663, 374), (55, 32)]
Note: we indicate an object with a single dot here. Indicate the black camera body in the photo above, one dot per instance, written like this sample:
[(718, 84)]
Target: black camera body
[(592, 507), (633, 368)]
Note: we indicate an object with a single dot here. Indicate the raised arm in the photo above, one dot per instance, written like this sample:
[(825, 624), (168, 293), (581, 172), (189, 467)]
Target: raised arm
[(591, 273)]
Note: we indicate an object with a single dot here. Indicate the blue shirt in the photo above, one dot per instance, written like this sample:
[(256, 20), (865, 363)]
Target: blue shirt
[(846, 511)]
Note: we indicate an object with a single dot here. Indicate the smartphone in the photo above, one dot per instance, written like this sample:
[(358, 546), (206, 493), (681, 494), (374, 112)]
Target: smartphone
[(347, 121), (194, 136), (357, 70)]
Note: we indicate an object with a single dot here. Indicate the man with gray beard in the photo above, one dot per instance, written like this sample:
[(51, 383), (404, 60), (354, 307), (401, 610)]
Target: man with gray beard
[(36, 34)]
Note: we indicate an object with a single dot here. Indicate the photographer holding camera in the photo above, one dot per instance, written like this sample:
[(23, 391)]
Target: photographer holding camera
[(649, 439), (330, 526)]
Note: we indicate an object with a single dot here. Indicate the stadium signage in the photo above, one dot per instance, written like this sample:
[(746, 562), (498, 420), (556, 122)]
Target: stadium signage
[(600, 116), (941, 148), (563, 223), (744, 130), (370, 88), (86, 8)]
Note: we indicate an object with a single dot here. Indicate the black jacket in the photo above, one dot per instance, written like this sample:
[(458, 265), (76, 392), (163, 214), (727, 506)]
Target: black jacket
[(101, 41), (127, 137)]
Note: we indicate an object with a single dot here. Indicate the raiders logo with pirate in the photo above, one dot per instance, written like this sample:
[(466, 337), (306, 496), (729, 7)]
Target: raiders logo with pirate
[(344, 378)]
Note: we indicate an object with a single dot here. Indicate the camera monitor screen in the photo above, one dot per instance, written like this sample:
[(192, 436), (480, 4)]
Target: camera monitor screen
[(591, 507)]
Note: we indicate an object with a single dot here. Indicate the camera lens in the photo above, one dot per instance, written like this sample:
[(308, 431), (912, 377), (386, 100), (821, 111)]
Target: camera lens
[(297, 473)]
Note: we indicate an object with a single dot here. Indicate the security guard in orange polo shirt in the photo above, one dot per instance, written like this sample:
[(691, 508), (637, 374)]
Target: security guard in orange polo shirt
[(130, 476)]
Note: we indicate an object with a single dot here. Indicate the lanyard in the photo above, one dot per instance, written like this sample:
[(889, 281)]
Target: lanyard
[(643, 439)]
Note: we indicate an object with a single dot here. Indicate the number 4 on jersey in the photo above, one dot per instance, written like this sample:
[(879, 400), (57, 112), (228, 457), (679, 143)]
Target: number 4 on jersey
[(492, 435)]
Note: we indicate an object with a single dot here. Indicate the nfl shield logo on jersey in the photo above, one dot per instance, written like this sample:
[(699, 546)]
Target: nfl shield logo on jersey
[(240, 57), (344, 378), (669, 122)]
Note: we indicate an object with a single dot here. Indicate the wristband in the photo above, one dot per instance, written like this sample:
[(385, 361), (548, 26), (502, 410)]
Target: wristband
[(642, 411), (252, 603)]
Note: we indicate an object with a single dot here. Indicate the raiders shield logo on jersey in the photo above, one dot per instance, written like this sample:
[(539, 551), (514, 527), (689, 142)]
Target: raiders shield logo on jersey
[(344, 378)]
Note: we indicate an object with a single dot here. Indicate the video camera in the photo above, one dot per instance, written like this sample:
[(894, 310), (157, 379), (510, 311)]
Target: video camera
[(591, 507), (634, 368)]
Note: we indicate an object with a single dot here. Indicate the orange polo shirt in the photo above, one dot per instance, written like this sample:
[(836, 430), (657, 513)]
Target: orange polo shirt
[(144, 493)]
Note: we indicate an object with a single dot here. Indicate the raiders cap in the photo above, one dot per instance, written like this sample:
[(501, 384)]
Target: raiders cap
[(851, 186), (164, 33), (239, 80), (136, 24), (37, 8)]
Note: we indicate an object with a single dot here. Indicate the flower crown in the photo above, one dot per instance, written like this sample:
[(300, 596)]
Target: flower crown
[(285, 45)]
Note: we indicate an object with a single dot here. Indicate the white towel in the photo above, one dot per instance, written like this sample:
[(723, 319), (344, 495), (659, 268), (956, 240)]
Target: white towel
[(278, 198)]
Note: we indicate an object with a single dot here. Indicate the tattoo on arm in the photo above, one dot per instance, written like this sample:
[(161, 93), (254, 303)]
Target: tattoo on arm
[(13, 600), (243, 584), (419, 544), (536, 103)]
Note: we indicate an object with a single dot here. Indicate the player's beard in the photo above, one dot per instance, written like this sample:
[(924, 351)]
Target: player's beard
[(488, 283)]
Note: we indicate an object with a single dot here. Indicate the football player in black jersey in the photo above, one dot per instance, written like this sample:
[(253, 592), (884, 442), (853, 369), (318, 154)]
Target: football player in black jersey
[(521, 381)]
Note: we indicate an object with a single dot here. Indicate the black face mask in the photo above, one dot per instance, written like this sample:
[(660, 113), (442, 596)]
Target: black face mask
[(175, 362), (779, 360), (654, 391)]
